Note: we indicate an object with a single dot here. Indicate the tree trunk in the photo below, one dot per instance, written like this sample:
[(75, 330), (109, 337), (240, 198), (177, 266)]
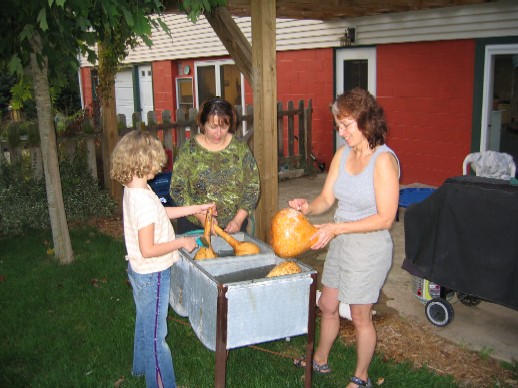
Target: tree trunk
[(58, 221), (110, 137)]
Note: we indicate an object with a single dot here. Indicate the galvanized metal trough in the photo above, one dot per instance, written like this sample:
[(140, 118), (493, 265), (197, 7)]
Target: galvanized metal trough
[(230, 303)]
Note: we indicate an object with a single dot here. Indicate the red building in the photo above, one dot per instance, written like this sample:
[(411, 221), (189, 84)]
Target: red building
[(446, 78)]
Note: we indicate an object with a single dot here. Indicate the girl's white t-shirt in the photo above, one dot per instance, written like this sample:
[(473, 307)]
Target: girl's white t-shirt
[(142, 207)]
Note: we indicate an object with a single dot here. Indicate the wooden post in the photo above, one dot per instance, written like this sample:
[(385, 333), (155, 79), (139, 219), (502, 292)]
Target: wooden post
[(36, 162), (221, 337), (291, 133), (264, 85), (308, 139), (90, 152), (280, 131), (311, 331), (110, 138)]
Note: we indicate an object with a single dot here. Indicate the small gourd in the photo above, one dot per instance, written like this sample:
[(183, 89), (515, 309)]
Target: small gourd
[(287, 267), (290, 233), (206, 252)]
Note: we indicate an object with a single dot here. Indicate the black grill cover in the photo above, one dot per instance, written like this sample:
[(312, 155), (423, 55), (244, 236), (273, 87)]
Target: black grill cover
[(465, 237)]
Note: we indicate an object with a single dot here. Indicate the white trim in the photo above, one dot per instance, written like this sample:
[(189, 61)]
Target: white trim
[(217, 64), (487, 98), (81, 88), (177, 89), (146, 91), (368, 53)]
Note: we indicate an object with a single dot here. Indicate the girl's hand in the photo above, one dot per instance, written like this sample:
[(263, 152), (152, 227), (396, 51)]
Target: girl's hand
[(202, 209), (189, 244), (299, 204), (325, 233)]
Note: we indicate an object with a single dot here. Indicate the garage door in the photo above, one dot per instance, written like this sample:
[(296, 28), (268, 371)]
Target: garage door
[(124, 94)]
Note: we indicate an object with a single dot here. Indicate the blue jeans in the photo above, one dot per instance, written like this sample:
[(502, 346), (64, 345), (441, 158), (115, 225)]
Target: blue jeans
[(151, 354)]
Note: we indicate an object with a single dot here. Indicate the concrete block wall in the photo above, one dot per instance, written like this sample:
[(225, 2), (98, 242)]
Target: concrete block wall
[(426, 90), (86, 85), (304, 75), (164, 87)]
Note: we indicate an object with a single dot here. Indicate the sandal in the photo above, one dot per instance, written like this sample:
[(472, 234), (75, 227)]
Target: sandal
[(323, 369), (361, 383)]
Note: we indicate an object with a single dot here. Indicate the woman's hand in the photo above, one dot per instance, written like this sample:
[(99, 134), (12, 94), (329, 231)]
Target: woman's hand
[(299, 204), (233, 226), (236, 223), (324, 234)]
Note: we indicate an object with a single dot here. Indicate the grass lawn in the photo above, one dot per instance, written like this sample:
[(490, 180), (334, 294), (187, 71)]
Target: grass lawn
[(72, 326)]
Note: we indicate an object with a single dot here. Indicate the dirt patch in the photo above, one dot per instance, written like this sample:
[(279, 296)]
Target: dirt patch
[(402, 341), (110, 226)]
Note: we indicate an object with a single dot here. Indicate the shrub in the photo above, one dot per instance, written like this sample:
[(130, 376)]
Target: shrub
[(23, 200)]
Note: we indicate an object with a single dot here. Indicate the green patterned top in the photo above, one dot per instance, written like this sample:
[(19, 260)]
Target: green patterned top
[(229, 177)]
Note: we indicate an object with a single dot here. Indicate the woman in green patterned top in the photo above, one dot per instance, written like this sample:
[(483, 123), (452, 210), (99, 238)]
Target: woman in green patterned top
[(214, 166)]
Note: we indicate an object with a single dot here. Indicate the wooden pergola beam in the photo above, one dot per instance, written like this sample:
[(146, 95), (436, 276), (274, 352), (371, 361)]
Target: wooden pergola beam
[(265, 111), (233, 39)]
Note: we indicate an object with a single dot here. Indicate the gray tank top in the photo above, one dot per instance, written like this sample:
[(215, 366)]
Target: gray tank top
[(355, 193)]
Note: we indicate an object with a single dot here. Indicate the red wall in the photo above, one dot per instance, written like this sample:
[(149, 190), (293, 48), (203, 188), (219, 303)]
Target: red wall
[(164, 87), (426, 90), (86, 85), (304, 75)]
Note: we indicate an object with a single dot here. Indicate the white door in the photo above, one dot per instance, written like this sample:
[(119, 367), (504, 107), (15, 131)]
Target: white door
[(355, 67), (500, 99), (124, 102), (146, 90)]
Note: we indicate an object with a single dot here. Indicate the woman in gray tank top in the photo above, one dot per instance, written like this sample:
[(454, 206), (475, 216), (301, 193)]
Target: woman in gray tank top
[(364, 178)]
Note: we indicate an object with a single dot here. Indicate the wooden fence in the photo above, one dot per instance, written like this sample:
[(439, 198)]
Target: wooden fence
[(293, 124)]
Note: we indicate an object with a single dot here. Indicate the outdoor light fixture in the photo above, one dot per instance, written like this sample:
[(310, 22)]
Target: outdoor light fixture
[(349, 37)]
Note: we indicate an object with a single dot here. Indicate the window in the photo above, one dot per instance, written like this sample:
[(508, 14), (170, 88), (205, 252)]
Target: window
[(184, 95), (221, 79)]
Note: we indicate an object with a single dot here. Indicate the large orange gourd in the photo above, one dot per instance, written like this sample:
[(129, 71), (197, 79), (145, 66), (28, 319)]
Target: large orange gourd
[(241, 248), (290, 233)]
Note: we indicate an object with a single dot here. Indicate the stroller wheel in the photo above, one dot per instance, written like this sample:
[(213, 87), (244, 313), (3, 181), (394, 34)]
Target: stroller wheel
[(439, 311), (468, 300)]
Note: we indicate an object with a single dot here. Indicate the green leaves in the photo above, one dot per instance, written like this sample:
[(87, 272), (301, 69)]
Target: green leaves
[(142, 26), (60, 3), (194, 8), (27, 32), (20, 92), (15, 65), (42, 19), (129, 17)]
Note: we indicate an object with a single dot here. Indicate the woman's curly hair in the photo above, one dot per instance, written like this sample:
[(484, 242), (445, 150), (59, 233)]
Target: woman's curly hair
[(137, 154), (362, 106)]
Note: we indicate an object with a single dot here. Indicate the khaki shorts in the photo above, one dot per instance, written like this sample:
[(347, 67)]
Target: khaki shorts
[(357, 265)]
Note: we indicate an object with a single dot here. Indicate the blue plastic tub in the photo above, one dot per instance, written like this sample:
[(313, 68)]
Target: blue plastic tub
[(410, 196)]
